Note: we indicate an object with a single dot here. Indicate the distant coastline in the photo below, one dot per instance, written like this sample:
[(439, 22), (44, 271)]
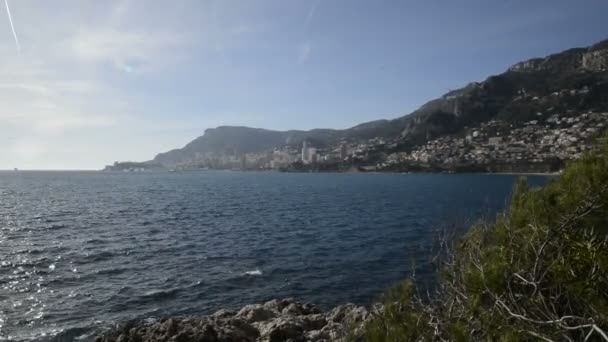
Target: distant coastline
[(347, 171), (532, 118)]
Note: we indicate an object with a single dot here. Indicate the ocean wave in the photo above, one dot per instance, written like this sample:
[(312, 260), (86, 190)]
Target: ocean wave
[(84, 259), (71, 334), (95, 241), (255, 272), (161, 294), (112, 271), (55, 226)]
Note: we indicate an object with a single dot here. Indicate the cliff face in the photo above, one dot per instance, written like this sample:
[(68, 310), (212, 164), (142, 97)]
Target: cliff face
[(534, 64), (595, 60), (497, 97)]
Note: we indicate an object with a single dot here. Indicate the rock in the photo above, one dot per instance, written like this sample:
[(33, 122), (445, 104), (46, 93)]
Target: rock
[(595, 60), (170, 326), (317, 336), (278, 305), (276, 320), (348, 313), (205, 329), (206, 333), (337, 314), (256, 313), (223, 313), (333, 331), (281, 330), (356, 315), (310, 309), (239, 330), (184, 336), (376, 308), (293, 309), (313, 322)]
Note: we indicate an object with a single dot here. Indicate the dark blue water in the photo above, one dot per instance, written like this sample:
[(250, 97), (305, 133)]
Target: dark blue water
[(81, 250)]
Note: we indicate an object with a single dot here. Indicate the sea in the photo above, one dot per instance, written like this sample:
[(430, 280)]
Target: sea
[(81, 251)]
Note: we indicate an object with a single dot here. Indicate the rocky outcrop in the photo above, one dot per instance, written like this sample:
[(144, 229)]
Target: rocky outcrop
[(273, 321), (596, 60), (534, 64)]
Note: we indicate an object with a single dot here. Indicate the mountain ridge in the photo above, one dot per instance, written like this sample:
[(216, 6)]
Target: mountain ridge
[(496, 97)]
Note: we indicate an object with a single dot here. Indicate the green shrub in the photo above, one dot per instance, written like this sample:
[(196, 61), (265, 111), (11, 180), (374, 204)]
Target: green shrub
[(538, 272)]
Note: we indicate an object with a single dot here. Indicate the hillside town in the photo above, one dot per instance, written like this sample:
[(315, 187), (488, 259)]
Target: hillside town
[(276, 159), (543, 144)]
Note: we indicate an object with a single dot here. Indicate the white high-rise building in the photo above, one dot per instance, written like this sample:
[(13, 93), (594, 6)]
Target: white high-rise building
[(304, 151)]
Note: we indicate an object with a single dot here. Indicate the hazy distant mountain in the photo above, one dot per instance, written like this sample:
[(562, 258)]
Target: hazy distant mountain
[(236, 140), (511, 96)]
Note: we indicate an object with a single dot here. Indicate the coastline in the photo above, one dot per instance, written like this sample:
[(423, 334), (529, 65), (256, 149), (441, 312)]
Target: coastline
[(553, 174), (274, 321), (426, 172)]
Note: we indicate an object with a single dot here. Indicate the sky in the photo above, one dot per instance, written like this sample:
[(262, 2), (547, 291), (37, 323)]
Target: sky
[(86, 83)]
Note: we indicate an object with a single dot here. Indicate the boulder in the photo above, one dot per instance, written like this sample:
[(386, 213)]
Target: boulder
[(348, 313), (309, 309), (282, 329), (333, 331), (293, 309), (313, 322), (256, 313), (278, 305), (276, 320), (337, 314), (223, 313), (317, 336), (236, 329)]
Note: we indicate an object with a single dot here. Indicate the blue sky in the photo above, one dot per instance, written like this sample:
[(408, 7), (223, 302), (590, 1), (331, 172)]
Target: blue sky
[(99, 81)]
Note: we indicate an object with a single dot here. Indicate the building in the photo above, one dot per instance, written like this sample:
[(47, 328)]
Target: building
[(343, 152), (243, 162), (309, 154), (495, 141), (304, 151), (312, 155)]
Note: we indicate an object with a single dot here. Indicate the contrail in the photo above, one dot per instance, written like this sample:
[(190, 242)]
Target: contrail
[(10, 19), (311, 13)]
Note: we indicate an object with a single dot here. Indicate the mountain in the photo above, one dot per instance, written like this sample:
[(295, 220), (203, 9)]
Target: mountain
[(237, 140), (515, 96)]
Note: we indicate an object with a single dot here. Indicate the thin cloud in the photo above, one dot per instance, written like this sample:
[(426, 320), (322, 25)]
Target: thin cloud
[(10, 19), (304, 51), (311, 14), (127, 51)]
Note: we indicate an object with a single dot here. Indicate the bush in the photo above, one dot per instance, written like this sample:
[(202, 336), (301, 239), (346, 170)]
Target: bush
[(539, 272)]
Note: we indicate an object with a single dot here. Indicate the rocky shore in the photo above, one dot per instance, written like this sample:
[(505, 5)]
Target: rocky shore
[(273, 321)]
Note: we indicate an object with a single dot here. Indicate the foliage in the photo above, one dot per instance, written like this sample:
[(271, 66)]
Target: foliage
[(539, 272)]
